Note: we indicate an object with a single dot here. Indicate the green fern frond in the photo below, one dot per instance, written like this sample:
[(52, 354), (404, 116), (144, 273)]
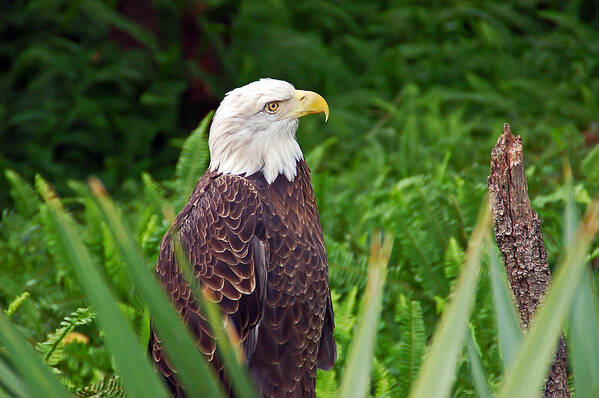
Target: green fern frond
[(349, 270), (345, 269), (193, 158), (420, 251), (128, 311), (385, 385), (59, 301), (345, 317), (16, 303), (345, 320), (485, 329), (154, 191), (423, 213), (27, 202), (51, 236), (326, 384), (152, 234), (408, 353), (454, 257), (113, 262), (92, 219), (109, 387), (156, 195), (51, 349)]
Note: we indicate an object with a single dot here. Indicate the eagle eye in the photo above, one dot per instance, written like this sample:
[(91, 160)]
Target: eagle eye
[(272, 107)]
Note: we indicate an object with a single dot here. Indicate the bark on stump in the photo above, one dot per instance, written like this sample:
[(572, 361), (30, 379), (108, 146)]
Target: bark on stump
[(520, 240)]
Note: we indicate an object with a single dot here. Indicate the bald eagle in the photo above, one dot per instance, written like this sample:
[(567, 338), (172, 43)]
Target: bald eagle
[(252, 234)]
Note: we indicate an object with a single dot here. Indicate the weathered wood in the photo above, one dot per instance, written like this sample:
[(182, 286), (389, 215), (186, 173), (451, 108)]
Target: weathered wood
[(520, 240)]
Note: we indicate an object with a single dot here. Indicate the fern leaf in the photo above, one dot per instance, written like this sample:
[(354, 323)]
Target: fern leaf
[(16, 303), (193, 158), (454, 257), (346, 269), (152, 234), (409, 351), (51, 238), (64, 273), (113, 262), (385, 385), (27, 202), (109, 387), (156, 194), (326, 384), (345, 317), (345, 320), (51, 349), (92, 219)]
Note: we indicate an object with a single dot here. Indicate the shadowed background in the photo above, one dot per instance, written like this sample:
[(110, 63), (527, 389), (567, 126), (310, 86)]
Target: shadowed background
[(111, 87)]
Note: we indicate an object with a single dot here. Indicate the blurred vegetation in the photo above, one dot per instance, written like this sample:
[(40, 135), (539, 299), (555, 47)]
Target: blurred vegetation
[(418, 93)]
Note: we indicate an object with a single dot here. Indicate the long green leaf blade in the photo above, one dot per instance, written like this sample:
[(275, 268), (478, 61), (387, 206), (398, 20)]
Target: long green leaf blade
[(356, 378), (138, 377), (438, 371), (193, 369), (4, 393), (11, 381), (583, 336), (508, 326), (583, 341), (476, 368), (525, 376), (39, 381)]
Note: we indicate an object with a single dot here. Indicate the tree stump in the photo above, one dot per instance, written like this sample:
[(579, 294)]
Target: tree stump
[(520, 240)]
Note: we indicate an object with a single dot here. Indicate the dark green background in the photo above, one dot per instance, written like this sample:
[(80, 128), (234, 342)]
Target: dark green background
[(111, 87)]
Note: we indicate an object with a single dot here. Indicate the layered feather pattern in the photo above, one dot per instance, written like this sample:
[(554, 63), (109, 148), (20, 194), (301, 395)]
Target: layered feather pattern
[(256, 249)]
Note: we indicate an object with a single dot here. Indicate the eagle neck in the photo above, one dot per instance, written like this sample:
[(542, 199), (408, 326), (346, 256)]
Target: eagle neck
[(281, 182)]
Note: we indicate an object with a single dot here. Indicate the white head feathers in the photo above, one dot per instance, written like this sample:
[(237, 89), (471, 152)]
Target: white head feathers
[(245, 137)]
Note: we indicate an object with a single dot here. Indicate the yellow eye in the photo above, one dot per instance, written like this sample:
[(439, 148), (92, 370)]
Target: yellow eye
[(272, 107)]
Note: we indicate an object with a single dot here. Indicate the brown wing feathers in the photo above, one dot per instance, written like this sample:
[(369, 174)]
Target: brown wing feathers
[(217, 230), (297, 304)]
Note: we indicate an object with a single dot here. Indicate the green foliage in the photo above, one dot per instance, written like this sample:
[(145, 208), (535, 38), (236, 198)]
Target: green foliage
[(137, 373), (25, 198), (394, 371), (109, 387), (76, 99), (438, 370), (583, 348), (35, 377), (417, 93), (16, 303), (52, 348), (193, 159), (356, 378), (192, 367), (410, 349), (326, 384), (476, 368)]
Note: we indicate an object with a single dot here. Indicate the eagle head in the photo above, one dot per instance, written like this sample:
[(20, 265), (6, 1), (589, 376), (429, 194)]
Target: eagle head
[(254, 128)]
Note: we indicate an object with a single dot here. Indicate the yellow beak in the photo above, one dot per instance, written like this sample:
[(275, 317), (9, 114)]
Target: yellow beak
[(308, 103)]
